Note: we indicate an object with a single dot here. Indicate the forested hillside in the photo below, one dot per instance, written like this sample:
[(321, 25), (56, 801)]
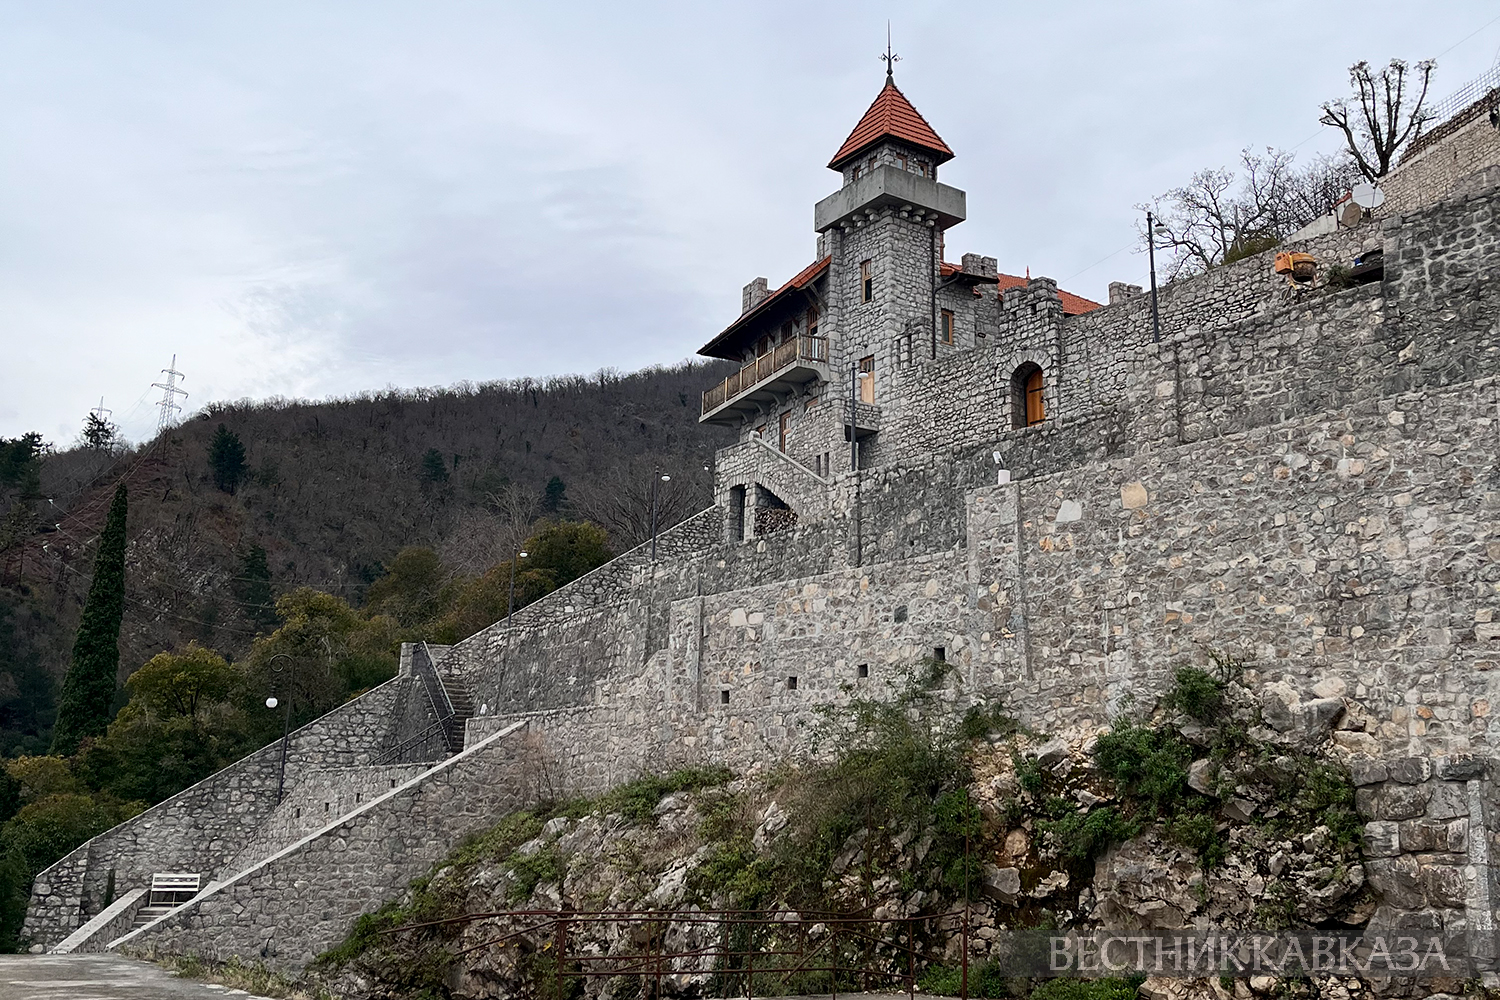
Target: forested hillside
[(247, 501)]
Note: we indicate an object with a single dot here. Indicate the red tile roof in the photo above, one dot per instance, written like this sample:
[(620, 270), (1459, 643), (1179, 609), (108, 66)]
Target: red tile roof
[(891, 116), (801, 279), (1073, 305)]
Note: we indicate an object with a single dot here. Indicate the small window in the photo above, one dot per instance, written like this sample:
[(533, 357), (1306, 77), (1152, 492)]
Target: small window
[(812, 322), (867, 379), (809, 404), (763, 347), (1028, 401), (358, 796), (723, 697), (791, 683), (901, 161), (325, 807), (786, 333), (862, 671), (866, 282), (921, 168), (297, 813), (393, 782), (946, 331), (786, 423), (940, 653), (855, 174)]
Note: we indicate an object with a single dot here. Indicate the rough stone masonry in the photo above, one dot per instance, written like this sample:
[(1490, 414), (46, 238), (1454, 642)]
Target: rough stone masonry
[(1305, 477)]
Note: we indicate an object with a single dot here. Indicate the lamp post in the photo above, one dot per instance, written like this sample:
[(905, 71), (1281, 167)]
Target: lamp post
[(286, 724), (656, 477), (1151, 252), (510, 603)]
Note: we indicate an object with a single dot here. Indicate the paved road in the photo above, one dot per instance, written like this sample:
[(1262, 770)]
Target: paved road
[(98, 977)]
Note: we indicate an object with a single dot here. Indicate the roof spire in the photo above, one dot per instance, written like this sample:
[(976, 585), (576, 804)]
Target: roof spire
[(890, 58)]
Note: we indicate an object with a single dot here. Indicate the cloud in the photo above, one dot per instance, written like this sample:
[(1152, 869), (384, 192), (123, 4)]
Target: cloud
[(305, 200)]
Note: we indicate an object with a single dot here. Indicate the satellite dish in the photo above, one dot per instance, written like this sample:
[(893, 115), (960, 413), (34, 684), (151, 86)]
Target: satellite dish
[(1368, 196), (1350, 215)]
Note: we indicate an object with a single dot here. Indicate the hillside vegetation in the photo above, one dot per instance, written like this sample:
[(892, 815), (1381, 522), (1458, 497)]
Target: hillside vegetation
[(287, 549)]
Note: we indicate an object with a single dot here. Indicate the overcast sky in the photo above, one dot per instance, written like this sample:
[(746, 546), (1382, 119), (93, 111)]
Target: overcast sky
[(307, 199)]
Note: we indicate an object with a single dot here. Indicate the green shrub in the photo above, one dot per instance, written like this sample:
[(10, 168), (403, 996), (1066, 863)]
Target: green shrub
[(1029, 773), (1088, 989), (1198, 830), (1197, 694), (637, 800), (1083, 836), (985, 980), (1337, 276), (543, 865), (1145, 763)]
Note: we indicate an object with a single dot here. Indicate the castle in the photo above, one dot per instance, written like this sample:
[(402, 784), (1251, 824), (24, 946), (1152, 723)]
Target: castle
[(1065, 501)]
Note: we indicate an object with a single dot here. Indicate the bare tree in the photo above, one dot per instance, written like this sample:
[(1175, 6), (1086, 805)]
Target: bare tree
[(1386, 117), (515, 509), (1221, 216), (620, 501)]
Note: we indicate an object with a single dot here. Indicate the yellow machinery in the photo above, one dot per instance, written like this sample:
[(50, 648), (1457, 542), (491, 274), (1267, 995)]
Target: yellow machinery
[(1298, 267)]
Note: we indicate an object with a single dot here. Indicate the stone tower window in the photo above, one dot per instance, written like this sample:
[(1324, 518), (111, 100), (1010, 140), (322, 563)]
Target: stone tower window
[(867, 379), (866, 282), (812, 321), (946, 332), (1027, 405)]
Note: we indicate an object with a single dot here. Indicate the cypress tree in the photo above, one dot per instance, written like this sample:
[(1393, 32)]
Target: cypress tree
[(88, 691)]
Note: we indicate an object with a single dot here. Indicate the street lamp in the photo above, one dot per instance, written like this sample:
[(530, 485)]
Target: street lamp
[(510, 604), (655, 478), (1151, 229), (286, 724)]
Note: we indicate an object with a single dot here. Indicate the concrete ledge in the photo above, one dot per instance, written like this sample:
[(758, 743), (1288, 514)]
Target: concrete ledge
[(105, 926)]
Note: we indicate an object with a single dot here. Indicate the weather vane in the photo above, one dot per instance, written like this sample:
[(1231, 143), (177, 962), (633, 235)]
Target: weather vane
[(889, 58)]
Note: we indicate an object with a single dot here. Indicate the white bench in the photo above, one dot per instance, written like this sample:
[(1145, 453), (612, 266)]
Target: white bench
[(173, 888)]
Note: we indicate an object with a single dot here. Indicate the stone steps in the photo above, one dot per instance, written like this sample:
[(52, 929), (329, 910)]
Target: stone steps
[(146, 914)]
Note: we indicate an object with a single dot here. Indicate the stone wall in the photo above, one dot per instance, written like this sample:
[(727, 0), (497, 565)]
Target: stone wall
[(296, 903), (1437, 162), (318, 798), (201, 828)]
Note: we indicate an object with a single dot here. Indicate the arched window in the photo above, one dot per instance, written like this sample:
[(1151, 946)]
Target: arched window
[(1027, 406)]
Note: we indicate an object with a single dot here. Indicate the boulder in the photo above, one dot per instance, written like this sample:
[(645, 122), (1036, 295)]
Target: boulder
[(1002, 884), (1311, 721), (1201, 774), (1053, 752)]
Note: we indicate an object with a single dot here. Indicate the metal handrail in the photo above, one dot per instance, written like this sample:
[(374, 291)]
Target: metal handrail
[(432, 681), (752, 373), (394, 754)]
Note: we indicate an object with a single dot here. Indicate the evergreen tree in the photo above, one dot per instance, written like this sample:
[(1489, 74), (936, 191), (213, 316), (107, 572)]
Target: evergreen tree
[(254, 589), (554, 496), (226, 457), (433, 468), (98, 433), (89, 689)]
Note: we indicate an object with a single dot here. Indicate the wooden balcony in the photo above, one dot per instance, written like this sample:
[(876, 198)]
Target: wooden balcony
[(768, 378)]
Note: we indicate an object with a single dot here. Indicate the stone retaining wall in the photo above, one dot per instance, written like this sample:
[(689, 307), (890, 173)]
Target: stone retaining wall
[(201, 828), (297, 903)]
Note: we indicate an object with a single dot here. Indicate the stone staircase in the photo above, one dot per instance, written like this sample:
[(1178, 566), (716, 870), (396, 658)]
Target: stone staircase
[(463, 709), (146, 914)]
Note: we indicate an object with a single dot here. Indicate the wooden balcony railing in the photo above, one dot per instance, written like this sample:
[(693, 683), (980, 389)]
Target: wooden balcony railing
[(779, 358)]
